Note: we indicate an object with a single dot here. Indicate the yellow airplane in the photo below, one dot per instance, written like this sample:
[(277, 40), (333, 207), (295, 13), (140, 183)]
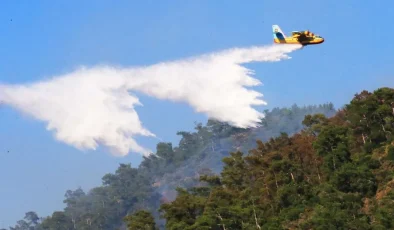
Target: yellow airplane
[(297, 37)]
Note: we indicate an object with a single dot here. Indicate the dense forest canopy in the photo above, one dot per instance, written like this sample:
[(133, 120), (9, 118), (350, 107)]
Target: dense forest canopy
[(304, 168)]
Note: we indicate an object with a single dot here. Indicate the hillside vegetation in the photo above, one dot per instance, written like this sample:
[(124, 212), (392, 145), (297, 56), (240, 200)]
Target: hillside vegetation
[(305, 168)]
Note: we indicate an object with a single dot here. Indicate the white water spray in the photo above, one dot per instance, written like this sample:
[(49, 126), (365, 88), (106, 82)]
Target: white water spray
[(93, 106)]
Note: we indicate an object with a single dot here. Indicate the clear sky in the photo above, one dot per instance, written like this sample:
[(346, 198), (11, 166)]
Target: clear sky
[(43, 38)]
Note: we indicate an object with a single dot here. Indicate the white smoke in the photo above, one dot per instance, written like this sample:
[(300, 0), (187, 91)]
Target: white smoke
[(94, 105)]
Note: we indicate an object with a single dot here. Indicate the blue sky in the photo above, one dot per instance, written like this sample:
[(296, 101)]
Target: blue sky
[(48, 38)]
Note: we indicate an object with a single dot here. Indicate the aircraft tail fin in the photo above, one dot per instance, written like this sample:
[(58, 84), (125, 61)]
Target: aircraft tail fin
[(278, 33)]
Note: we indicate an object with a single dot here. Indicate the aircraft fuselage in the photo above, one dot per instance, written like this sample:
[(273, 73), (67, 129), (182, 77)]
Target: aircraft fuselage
[(291, 40)]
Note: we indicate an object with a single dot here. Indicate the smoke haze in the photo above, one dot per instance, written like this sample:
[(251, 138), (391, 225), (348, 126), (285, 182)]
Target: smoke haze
[(93, 106)]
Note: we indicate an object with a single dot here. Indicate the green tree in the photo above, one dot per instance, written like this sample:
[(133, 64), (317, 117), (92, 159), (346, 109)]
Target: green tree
[(183, 212), (58, 221), (31, 221), (333, 145), (141, 220)]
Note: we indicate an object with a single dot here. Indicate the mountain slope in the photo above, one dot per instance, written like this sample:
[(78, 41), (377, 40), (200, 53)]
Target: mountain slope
[(156, 179), (337, 173)]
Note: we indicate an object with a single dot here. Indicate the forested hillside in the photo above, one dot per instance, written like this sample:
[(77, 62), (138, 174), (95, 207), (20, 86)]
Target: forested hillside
[(302, 171), (156, 179), (337, 173)]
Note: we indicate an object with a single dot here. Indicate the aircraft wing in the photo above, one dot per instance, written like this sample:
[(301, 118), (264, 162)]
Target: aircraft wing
[(298, 35)]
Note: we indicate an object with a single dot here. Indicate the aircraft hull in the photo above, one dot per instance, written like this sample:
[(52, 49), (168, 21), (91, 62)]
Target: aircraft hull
[(294, 41)]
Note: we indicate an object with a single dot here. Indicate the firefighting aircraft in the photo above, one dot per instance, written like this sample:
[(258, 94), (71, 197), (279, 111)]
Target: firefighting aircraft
[(297, 37)]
